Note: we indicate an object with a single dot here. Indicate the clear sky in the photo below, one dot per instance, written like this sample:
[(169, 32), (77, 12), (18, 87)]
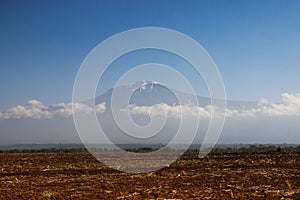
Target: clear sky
[(255, 44)]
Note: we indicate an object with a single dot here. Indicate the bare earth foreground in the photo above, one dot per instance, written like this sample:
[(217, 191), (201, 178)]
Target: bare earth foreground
[(273, 175)]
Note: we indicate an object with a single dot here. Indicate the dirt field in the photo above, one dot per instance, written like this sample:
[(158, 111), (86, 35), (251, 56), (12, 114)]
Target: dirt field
[(274, 175)]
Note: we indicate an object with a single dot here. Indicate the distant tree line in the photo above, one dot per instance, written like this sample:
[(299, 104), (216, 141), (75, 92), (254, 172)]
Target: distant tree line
[(257, 148), (251, 148), (49, 150)]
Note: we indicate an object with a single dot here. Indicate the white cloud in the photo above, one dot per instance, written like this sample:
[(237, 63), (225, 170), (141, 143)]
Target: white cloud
[(172, 111), (290, 106), (37, 110), (100, 108), (35, 103), (291, 98), (33, 109), (62, 109)]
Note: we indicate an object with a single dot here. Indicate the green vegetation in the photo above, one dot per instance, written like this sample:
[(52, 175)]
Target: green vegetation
[(249, 149), (256, 149), (51, 150), (141, 150), (47, 194)]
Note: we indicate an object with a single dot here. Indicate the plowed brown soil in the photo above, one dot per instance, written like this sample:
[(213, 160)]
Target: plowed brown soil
[(273, 175)]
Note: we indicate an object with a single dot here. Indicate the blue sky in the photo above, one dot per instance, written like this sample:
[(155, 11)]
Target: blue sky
[(255, 44)]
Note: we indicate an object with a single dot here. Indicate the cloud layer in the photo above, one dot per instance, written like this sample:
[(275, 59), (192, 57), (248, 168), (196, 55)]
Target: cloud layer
[(290, 106), (37, 110)]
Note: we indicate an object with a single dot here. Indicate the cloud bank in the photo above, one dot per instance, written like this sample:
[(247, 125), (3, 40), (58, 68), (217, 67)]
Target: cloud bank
[(37, 110), (290, 106)]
